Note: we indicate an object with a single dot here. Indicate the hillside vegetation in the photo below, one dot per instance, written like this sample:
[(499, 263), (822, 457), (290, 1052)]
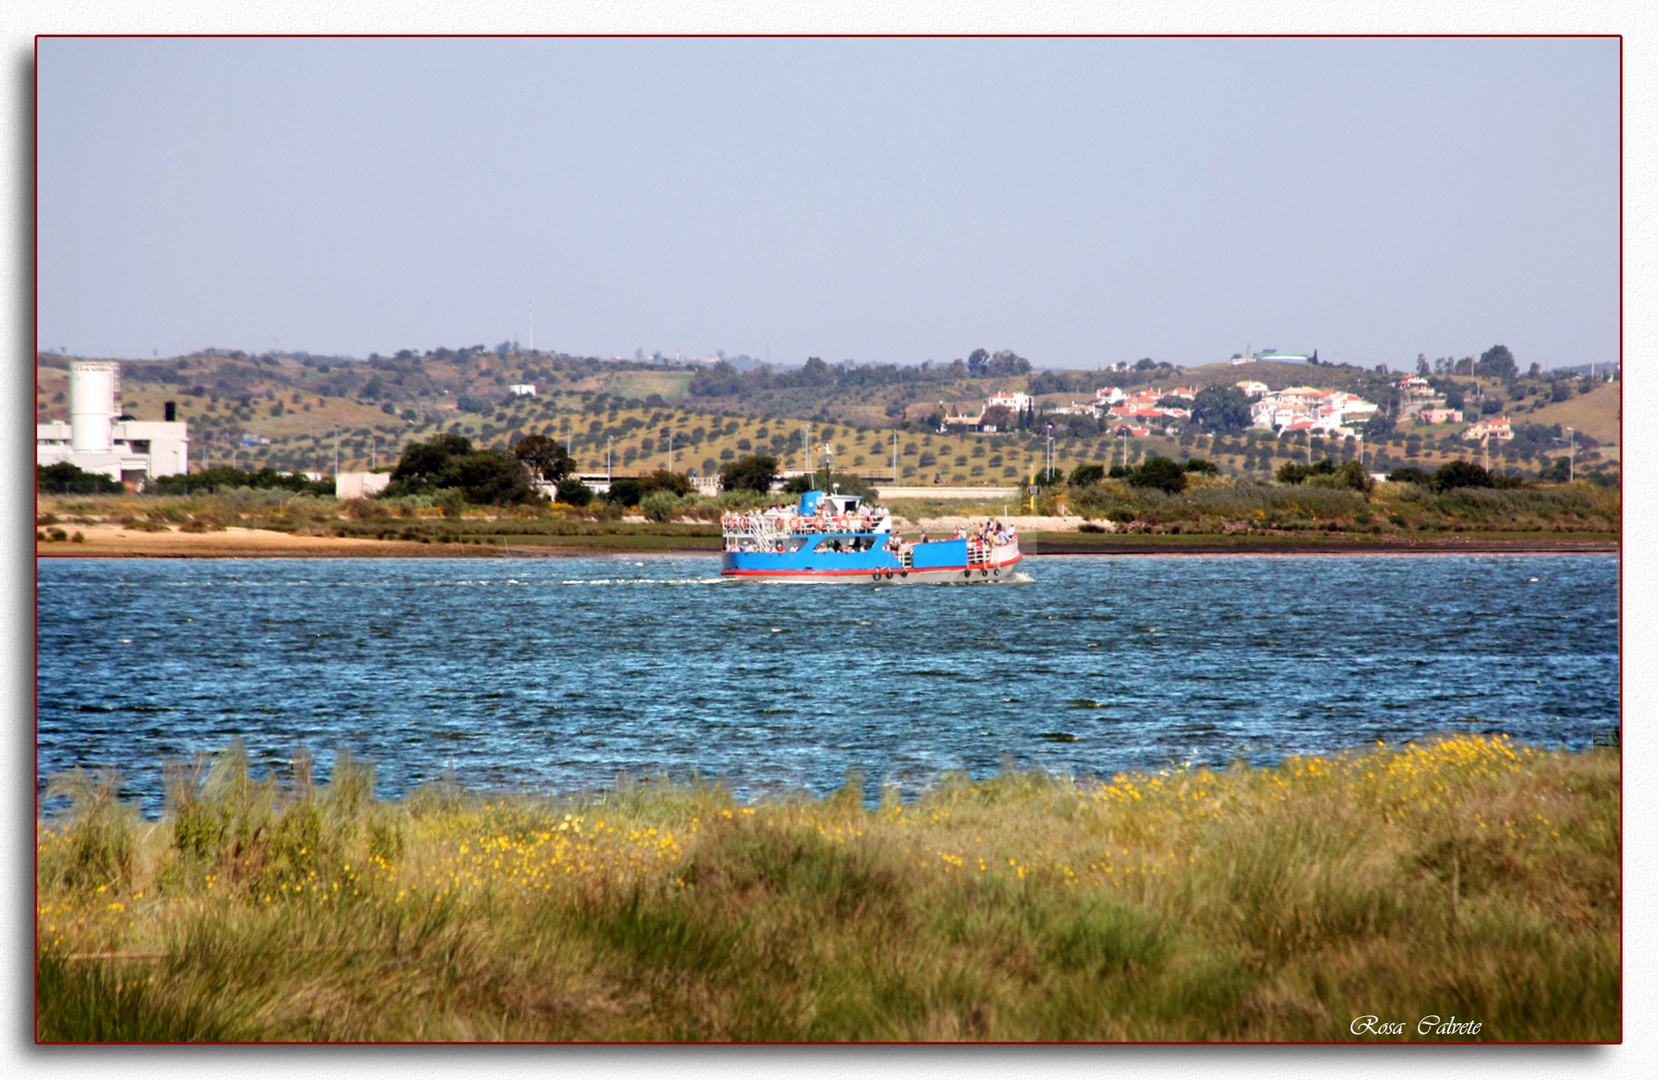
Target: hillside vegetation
[(369, 410)]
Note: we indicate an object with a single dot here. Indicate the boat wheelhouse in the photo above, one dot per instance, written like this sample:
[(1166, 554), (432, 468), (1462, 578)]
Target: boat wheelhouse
[(843, 538)]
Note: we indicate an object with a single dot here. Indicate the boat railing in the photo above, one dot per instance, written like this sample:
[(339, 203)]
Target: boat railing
[(761, 526)]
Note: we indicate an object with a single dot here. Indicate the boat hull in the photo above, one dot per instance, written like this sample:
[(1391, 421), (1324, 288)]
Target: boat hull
[(944, 562)]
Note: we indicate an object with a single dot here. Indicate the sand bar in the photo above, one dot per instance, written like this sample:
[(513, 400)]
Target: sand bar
[(120, 542)]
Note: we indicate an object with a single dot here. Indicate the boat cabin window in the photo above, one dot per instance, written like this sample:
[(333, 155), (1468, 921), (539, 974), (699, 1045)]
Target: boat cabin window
[(845, 543)]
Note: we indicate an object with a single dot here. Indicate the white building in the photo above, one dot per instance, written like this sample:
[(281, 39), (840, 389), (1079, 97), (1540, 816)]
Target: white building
[(522, 389), (1017, 402), (98, 438), (360, 485), (1307, 408)]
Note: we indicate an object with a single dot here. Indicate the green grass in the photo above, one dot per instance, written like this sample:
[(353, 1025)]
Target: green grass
[(670, 384), (1464, 877), (1223, 506), (1292, 542)]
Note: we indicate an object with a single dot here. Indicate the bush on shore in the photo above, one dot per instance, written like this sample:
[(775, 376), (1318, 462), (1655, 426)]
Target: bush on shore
[(1338, 501)]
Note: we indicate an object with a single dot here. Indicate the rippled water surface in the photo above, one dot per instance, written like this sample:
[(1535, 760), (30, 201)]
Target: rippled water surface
[(559, 674)]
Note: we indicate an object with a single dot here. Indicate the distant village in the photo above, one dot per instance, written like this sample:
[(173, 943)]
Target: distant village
[(1293, 410)]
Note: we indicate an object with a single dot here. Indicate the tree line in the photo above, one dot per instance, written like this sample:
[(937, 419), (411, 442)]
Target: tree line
[(724, 380)]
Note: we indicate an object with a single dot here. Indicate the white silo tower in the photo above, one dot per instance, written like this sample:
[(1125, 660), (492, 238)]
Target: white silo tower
[(93, 385)]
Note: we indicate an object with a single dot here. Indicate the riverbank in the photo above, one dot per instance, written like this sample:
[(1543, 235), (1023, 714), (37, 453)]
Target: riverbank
[(1467, 879), (1316, 544), (117, 541)]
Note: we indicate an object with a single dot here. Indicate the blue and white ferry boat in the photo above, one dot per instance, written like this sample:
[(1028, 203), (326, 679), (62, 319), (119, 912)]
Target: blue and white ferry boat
[(842, 538)]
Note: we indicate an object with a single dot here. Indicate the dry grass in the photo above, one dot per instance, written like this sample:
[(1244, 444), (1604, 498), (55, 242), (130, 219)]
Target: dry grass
[(1467, 878)]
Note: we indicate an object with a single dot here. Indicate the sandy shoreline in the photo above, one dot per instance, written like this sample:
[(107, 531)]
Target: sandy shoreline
[(119, 542)]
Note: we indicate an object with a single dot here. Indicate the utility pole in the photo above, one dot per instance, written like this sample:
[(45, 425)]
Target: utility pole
[(1571, 461), (895, 456), (609, 440), (336, 452)]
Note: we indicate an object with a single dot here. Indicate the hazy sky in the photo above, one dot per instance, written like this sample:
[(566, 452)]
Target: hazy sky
[(1078, 201)]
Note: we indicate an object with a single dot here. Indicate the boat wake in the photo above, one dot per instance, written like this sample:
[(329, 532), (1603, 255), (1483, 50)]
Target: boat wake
[(649, 581)]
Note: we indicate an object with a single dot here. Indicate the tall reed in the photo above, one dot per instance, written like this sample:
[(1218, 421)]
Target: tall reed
[(1466, 877)]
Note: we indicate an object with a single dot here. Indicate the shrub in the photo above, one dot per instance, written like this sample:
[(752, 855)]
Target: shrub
[(659, 506), (1350, 475), (665, 480), (757, 472), (451, 500), (1161, 473), (65, 478), (1409, 474), (1460, 474), (98, 848), (574, 492), (1083, 475), (626, 491)]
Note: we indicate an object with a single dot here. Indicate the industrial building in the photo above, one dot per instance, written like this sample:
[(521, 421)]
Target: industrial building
[(100, 438)]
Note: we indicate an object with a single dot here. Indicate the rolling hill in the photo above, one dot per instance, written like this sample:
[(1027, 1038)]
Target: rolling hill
[(287, 411)]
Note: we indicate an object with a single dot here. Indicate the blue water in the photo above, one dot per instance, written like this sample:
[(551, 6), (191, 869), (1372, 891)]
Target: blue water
[(559, 674)]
